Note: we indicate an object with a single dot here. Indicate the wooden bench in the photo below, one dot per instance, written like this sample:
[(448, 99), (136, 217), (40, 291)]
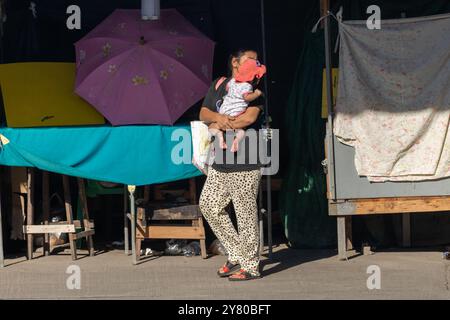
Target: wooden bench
[(189, 226), (69, 226), (150, 225)]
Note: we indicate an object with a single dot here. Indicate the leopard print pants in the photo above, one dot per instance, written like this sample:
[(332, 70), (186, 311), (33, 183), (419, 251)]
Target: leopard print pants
[(242, 189)]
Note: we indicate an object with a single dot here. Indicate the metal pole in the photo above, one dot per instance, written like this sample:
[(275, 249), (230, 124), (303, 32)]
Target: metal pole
[(125, 221), (329, 81), (132, 189), (2, 257), (266, 110)]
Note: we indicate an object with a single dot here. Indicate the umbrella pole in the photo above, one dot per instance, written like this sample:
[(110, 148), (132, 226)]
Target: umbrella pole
[(267, 120)]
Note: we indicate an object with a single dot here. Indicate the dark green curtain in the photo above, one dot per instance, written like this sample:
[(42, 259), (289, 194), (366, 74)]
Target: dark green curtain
[(303, 202)]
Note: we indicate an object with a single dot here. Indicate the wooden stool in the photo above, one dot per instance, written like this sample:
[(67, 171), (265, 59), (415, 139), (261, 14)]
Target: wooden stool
[(68, 226), (193, 230), (190, 226)]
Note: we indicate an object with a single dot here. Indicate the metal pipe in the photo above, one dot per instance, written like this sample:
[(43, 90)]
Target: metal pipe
[(132, 189), (125, 221), (267, 118), (261, 219)]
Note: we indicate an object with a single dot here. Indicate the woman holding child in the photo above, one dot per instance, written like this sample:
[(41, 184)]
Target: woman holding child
[(234, 103)]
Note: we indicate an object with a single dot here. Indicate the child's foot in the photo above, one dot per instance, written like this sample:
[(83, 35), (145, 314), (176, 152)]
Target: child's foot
[(235, 146), (222, 143)]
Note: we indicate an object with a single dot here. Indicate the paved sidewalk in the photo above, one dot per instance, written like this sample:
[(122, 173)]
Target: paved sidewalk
[(292, 274)]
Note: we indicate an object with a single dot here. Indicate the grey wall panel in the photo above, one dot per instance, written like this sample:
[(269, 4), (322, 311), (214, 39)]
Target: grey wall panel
[(350, 186)]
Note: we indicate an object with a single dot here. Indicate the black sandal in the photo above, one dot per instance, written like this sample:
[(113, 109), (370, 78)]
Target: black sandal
[(228, 269), (243, 275)]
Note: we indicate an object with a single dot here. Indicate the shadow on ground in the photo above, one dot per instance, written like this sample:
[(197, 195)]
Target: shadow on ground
[(287, 258)]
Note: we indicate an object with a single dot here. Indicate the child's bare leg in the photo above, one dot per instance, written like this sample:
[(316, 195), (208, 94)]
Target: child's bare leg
[(215, 131), (240, 134)]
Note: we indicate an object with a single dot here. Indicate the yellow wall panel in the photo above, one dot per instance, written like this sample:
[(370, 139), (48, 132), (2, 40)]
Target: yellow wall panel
[(38, 94)]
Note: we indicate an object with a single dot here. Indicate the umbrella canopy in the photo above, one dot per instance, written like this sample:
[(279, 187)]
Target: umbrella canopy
[(143, 72)]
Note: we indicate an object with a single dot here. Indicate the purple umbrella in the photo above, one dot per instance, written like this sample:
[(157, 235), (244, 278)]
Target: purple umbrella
[(143, 72)]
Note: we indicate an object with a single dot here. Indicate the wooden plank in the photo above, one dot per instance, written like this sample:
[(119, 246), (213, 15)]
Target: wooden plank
[(341, 238), (324, 7), (141, 212), (46, 208), (349, 232), (141, 230), (174, 232), (86, 221), (40, 229), (19, 188), (396, 205), (390, 205), (202, 241), (69, 215), (177, 213), (77, 224), (138, 248), (84, 234)]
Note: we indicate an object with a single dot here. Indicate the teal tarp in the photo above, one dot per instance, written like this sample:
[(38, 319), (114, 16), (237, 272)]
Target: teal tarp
[(133, 155)]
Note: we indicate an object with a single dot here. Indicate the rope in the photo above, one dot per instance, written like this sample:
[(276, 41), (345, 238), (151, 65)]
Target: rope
[(338, 18)]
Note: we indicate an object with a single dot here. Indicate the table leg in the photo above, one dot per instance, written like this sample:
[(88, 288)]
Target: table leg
[(30, 212), (46, 208), (341, 238)]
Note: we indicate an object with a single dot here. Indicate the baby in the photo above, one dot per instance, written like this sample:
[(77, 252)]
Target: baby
[(240, 93)]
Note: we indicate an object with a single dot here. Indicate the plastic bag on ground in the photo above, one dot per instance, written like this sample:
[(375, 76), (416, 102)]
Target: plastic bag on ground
[(174, 247), (192, 249), (217, 248)]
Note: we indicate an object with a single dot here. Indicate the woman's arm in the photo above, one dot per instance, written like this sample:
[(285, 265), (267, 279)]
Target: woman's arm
[(247, 118), (224, 122)]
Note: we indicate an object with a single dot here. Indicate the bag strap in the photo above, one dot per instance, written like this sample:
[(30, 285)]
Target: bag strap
[(220, 81)]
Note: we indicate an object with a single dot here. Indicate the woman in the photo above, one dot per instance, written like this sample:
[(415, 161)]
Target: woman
[(236, 182)]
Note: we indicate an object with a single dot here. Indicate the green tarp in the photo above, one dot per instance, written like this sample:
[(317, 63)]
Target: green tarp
[(132, 155), (303, 201)]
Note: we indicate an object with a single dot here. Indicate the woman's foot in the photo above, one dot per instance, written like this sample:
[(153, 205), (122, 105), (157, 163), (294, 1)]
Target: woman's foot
[(228, 269), (243, 275)]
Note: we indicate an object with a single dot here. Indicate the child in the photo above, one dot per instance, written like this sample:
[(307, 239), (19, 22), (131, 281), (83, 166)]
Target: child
[(240, 93)]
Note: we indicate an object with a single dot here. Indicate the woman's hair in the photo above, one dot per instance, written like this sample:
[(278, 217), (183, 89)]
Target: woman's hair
[(236, 55)]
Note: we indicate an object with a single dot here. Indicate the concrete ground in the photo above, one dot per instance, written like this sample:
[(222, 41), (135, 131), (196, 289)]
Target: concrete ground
[(292, 274)]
